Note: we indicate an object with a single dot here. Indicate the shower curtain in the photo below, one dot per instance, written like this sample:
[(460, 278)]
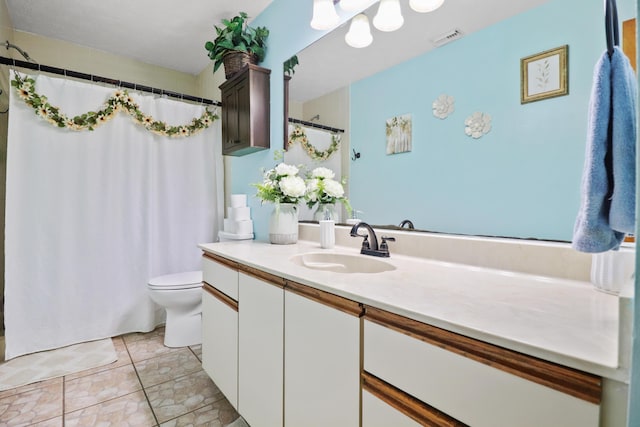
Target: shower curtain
[(91, 216)]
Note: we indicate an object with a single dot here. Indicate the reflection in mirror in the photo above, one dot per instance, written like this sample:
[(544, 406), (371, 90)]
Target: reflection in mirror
[(517, 173)]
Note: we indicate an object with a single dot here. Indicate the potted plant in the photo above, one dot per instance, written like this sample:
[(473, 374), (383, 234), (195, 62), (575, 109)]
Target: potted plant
[(324, 191), (290, 65), (237, 44), (285, 189)]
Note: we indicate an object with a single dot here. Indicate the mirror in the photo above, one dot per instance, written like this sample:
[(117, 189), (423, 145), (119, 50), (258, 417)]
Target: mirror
[(521, 176)]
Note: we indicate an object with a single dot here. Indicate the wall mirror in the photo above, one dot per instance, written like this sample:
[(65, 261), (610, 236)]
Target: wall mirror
[(521, 178)]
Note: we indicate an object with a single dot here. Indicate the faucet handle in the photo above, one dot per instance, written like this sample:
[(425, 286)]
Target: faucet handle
[(365, 241), (383, 245)]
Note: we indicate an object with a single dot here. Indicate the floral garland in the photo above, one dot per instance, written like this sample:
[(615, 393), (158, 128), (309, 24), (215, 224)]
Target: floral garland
[(298, 135), (119, 101)]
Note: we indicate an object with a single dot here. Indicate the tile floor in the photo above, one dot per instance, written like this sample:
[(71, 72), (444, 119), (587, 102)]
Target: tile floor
[(149, 385)]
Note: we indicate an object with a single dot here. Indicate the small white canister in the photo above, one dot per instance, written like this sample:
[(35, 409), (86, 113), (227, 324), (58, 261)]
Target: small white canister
[(612, 271)]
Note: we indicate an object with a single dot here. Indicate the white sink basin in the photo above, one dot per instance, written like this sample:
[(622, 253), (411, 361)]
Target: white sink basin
[(341, 263)]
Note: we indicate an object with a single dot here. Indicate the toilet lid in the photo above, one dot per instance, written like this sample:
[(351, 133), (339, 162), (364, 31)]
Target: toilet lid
[(187, 280)]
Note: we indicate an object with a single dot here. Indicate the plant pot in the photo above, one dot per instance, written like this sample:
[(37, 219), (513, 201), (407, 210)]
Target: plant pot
[(234, 62), (283, 224)]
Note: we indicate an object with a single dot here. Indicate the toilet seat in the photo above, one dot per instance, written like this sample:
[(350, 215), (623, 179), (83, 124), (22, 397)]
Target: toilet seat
[(187, 280)]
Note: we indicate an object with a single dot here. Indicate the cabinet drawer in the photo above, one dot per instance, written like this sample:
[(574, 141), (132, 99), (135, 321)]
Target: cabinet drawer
[(465, 389), (221, 276)]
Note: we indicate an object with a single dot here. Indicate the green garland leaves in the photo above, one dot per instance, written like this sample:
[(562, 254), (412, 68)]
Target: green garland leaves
[(298, 135), (119, 101)]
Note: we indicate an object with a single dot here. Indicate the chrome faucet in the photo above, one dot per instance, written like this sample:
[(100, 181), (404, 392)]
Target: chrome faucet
[(371, 247), (408, 223)]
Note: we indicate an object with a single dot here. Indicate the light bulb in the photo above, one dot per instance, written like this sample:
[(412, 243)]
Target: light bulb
[(389, 16), (359, 34), (353, 5), (324, 15), (424, 6)]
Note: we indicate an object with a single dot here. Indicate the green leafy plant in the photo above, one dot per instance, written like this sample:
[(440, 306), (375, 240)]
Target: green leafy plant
[(290, 65), (237, 35)]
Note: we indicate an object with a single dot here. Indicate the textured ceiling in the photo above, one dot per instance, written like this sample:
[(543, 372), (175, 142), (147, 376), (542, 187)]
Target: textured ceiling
[(172, 33), (169, 33)]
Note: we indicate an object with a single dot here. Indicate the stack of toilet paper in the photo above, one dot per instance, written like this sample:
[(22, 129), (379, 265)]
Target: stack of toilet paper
[(238, 224)]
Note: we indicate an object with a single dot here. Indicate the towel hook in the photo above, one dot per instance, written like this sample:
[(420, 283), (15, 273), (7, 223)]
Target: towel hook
[(611, 25)]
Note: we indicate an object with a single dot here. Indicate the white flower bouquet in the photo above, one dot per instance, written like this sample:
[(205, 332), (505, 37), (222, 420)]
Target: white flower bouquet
[(281, 185), (323, 189)]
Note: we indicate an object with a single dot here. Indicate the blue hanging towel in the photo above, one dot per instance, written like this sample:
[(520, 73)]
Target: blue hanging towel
[(611, 128), (624, 89)]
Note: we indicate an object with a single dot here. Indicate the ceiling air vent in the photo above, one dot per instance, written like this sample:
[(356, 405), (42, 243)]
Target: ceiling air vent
[(447, 38)]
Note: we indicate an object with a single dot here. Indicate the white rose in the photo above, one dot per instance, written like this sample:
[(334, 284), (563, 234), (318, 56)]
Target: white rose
[(312, 189), (333, 188), (323, 173), (292, 186), (284, 169)]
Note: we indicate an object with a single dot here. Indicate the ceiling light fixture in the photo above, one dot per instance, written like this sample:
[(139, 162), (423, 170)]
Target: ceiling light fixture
[(424, 6), (359, 34), (389, 16), (353, 5), (324, 15)]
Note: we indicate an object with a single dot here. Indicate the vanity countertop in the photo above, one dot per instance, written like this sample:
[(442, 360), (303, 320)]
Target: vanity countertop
[(559, 320)]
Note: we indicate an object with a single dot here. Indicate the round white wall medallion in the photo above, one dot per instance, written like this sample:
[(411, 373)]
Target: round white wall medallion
[(443, 106), (477, 124)]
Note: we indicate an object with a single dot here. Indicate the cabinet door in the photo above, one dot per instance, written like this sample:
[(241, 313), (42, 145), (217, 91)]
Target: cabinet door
[(321, 364), (260, 351), (230, 123), (220, 344)]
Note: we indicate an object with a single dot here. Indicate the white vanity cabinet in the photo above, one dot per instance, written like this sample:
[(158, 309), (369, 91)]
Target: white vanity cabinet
[(321, 358), (220, 324), (260, 348), (440, 378)]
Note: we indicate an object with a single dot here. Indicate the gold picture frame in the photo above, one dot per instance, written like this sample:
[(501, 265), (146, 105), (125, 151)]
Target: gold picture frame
[(544, 75)]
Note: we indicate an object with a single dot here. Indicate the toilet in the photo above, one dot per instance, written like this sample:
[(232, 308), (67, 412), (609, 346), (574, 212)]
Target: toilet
[(181, 295)]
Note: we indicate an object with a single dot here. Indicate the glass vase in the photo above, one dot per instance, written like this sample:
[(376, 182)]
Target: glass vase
[(283, 224), (326, 211)]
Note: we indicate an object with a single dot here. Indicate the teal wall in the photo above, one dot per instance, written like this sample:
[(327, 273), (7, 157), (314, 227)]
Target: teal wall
[(522, 179)]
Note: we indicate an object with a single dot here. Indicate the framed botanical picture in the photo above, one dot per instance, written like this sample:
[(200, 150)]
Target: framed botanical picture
[(544, 75), (398, 130)]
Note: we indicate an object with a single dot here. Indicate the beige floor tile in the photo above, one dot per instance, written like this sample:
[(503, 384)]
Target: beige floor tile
[(53, 422), (218, 414), (96, 388), (167, 367), (32, 386), (131, 410), (138, 336), (197, 350), (178, 397), (32, 406), (148, 347)]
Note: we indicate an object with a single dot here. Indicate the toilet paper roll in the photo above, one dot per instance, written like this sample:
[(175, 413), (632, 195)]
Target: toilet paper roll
[(238, 200), (230, 225), (239, 214), (244, 227)]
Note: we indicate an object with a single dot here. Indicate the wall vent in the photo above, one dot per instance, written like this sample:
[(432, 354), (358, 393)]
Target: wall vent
[(447, 37)]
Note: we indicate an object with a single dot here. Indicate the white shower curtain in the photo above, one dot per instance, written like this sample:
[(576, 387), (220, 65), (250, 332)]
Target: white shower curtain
[(92, 216)]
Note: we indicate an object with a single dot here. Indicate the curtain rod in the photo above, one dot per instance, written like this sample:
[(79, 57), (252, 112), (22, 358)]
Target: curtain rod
[(90, 77), (315, 125)]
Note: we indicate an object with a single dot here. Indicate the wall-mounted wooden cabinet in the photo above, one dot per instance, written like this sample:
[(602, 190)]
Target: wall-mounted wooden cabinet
[(245, 111)]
